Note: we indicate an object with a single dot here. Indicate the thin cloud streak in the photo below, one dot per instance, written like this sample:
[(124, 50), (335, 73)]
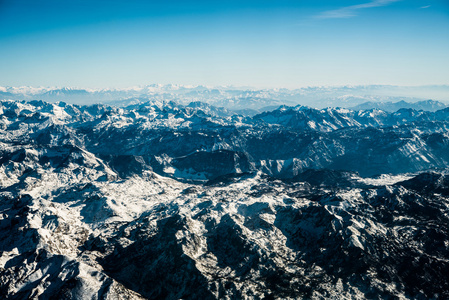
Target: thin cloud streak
[(352, 11)]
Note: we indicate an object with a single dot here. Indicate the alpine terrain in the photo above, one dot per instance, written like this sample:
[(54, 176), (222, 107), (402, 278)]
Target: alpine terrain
[(167, 200)]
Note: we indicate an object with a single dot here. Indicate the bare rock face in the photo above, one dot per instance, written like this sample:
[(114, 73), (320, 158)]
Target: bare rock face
[(169, 202)]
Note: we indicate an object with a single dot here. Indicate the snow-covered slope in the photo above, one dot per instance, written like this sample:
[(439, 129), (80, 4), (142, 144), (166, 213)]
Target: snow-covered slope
[(163, 201), (68, 232)]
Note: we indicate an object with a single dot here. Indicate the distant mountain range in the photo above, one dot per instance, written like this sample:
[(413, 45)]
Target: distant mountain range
[(428, 105), (241, 99)]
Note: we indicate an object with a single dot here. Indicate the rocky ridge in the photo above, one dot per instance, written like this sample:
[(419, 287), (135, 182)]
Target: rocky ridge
[(181, 141)]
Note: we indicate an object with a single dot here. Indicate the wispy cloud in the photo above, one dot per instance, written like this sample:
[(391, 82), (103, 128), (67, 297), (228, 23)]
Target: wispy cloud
[(352, 11), (423, 7)]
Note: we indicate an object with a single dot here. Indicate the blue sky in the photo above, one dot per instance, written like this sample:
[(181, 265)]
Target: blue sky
[(282, 43)]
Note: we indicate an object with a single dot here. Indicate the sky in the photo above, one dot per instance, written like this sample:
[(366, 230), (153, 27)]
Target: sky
[(263, 44)]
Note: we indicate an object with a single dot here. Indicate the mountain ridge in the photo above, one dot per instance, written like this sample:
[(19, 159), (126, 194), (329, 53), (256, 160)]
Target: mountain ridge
[(233, 98), (170, 138)]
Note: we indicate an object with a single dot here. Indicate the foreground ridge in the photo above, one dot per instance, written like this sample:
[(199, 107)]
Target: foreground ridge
[(253, 237)]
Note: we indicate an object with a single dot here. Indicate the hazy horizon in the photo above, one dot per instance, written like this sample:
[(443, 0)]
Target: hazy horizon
[(233, 97)]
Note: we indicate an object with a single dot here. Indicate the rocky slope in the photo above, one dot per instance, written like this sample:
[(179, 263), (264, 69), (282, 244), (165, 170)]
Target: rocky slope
[(164, 201), (67, 236)]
